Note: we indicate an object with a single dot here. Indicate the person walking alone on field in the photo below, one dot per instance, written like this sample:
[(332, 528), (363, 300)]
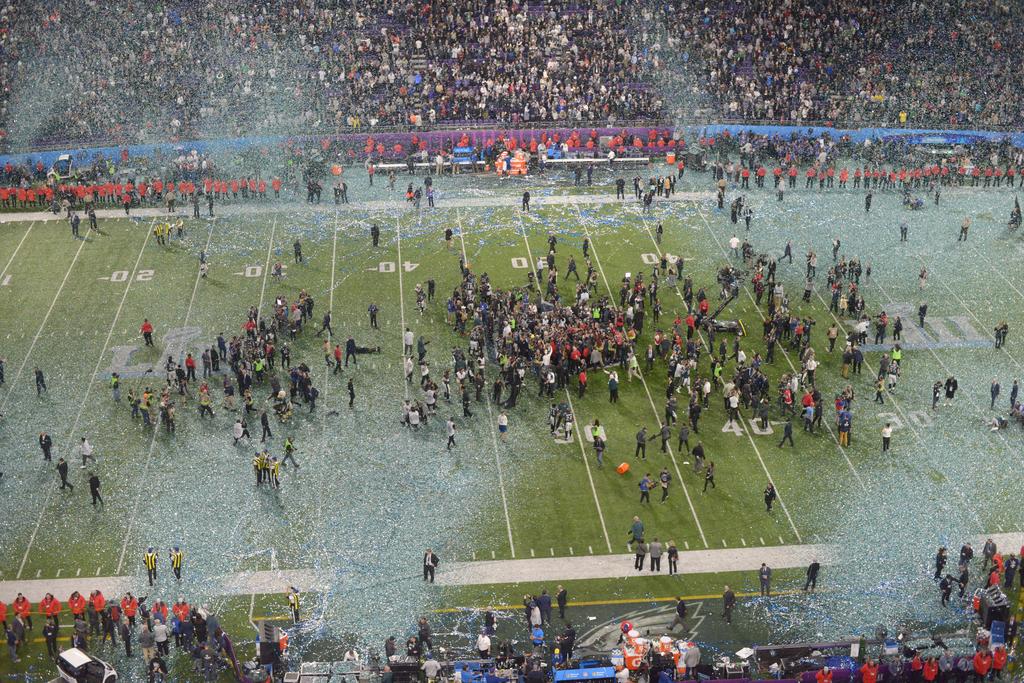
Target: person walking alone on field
[(812, 576), (764, 575), (709, 476), (94, 488), (430, 562), (62, 471), (728, 603), (769, 497), (85, 450)]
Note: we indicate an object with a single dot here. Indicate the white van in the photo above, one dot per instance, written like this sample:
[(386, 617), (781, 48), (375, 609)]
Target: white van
[(76, 666)]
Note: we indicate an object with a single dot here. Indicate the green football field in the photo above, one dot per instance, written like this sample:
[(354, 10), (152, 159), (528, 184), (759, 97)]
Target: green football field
[(370, 495)]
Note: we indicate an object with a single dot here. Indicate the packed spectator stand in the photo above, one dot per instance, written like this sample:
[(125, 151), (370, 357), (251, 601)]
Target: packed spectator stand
[(213, 70)]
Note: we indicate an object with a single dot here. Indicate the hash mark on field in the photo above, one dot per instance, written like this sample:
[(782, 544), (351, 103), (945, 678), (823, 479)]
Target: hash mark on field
[(744, 542), (58, 573), (98, 570), (1000, 527), (591, 549), (492, 555), (818, 538), (724, 544), (7, 281), (39, 572), (781, 541), (79, 572), (570, 551), (761, 538), (532, 554), (474, 554), (687, 544), (552, 552)]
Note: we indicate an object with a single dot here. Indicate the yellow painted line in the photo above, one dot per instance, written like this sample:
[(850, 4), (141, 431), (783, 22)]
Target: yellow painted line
[(619, 601)]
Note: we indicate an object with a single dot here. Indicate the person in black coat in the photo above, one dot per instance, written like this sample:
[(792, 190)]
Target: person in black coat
[(812, 575), (45, 444), (430, 562), (562, 598)]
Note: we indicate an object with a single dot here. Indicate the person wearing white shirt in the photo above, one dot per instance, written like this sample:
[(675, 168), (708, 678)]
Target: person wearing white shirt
[(408, 339), (734, 244), (503, 426), (483, 646), (431, 668), (886, 437), (85, 450)]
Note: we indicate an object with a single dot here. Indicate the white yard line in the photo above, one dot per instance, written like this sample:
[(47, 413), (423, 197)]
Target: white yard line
[(16, 250), (401, 299), (785, 354), (490, 414), (654, 408), (195, 287), (85, 399), (572, 409), (970, 312), (266, 269), (956, 490), (42, 325), (156, 425), (746, 428)]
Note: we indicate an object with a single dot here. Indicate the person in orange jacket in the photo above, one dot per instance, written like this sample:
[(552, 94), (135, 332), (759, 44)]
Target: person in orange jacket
[(98, 601), (23, 608), (159, 611), (931, 670), (181, 611), (824, 675), (869, 672), (50, 607), (76, 603), (916, 667), (999, 661), (130, 605), (982, 664)]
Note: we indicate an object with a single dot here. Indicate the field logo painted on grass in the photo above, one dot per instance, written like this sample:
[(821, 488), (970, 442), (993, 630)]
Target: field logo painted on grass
[(939, 332), (175, 341), (656, 621)]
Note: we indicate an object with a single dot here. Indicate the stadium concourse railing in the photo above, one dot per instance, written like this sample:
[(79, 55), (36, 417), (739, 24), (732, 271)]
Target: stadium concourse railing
[(395, 145)]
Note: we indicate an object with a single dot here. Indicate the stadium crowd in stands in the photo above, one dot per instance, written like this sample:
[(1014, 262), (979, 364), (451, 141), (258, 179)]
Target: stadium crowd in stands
[(790, 61), (210, 69)]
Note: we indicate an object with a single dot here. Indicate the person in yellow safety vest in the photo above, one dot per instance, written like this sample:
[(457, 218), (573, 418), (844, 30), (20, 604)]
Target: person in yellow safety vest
[(293, 603), (257, 468), (149, 559), (274, 472), (176, 559)]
